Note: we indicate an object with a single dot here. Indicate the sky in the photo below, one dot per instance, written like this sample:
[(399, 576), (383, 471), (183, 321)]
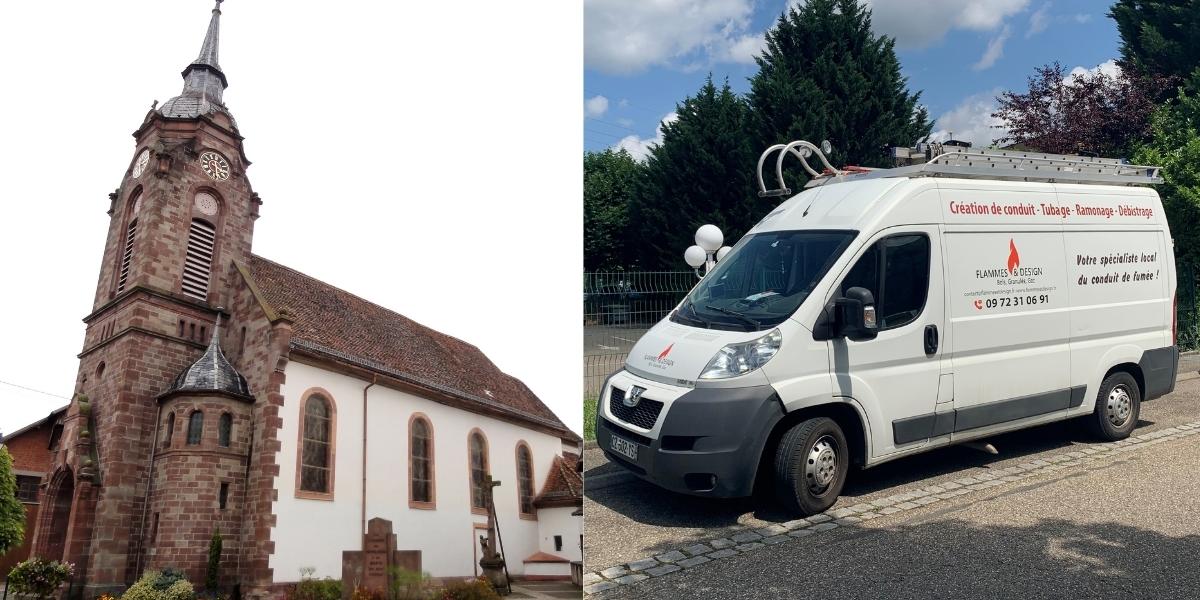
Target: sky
[(643, 57), (394, 161)]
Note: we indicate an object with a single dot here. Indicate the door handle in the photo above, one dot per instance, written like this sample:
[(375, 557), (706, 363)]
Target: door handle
[(931, 340)]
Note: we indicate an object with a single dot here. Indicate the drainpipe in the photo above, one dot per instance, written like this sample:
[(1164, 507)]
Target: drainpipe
[(374, 379), (149, 485)]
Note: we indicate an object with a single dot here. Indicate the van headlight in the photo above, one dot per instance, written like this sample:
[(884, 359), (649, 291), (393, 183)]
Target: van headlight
[(739, 359)]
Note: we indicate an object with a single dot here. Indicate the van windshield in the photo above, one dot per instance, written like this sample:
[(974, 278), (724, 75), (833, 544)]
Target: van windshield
[(763, 280)]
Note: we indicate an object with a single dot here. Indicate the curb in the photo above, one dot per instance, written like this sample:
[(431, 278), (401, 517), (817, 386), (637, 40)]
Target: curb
[(750, 539)]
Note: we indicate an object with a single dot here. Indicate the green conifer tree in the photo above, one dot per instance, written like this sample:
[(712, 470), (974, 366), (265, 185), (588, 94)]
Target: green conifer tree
[(825, 76), (12, 513), (702, 172)]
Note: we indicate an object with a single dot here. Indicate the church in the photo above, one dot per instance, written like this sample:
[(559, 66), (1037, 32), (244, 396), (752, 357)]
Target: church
[(220, 391)]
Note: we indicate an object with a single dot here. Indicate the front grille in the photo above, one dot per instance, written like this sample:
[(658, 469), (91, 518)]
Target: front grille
[(644, 415), (625, 433)]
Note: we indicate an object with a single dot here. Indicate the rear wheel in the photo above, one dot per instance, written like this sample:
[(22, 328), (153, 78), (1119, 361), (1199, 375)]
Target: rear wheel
[(1118, 405), (811, 462)]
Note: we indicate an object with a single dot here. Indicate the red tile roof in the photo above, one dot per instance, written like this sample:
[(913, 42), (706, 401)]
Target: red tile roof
[(545, 557), (342, 326), (564, 484)]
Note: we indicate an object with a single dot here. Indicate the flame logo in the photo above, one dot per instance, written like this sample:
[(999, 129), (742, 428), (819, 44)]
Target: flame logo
[(666, 352), (1014, 259)]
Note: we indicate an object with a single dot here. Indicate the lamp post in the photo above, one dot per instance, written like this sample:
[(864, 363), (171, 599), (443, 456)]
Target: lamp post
[(707, 251)]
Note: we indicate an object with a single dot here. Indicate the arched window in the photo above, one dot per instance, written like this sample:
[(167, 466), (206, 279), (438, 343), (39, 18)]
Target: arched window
[(197, 266), (316, 446), (195, 428), (478, 451), (225, 430), (130, 235), (525, 479), (420, 462), (170, 430)]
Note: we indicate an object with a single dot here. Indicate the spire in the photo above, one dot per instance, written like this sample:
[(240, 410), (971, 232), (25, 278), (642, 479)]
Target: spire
[(203, 81), (212, 40)]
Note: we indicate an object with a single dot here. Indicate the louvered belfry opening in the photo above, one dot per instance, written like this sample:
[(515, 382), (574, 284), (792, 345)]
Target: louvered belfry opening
[(127, 255), (197, 267)]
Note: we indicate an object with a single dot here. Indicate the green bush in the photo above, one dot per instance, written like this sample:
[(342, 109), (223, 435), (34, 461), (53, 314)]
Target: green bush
[(316, 589), (212, 575), (475, 589), (39, 578), (408, 585), (168, 584)]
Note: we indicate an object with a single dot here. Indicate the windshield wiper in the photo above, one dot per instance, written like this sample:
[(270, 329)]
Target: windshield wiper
[(734, 313), (696, 316)]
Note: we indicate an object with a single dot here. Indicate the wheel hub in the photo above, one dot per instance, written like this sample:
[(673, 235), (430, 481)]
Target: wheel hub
[(821, 465), (1120, 406)]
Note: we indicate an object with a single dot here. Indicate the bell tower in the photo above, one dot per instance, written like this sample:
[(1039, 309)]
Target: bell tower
[(183, 214), (185, 206)]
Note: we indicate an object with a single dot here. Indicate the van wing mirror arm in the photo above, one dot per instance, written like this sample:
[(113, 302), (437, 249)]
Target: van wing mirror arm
[(826, 326)]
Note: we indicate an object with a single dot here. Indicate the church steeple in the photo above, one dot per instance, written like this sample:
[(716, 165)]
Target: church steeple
[(203, 81)]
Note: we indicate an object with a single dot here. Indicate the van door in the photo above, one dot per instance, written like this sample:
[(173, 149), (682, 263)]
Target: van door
[(895, 377), (1009, 312)]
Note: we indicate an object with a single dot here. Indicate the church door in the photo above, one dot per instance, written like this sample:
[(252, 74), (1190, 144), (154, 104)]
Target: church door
[(60, 516)]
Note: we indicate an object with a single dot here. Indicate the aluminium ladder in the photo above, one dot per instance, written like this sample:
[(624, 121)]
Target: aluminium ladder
[(962, 162)]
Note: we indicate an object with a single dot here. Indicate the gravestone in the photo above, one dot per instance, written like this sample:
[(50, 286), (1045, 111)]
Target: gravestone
[(372, 567)]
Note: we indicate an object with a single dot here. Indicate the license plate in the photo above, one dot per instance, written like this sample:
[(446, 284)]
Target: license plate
[(625, 448)]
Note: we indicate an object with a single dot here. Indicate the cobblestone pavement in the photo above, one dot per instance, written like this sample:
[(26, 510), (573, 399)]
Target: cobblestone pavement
[(637, 534)]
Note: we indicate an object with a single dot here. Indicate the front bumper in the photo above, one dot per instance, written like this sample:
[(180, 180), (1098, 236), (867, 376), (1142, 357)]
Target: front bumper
[(709, 440)]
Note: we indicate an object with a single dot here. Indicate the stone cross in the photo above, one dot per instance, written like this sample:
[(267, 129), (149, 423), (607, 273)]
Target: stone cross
[(491, 562)]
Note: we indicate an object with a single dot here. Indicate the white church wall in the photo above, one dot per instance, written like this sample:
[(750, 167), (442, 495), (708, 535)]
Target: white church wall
[(558, 521), (313, 533)]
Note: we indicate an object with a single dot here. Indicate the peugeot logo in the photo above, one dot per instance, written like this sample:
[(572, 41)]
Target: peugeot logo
[(633, 396)]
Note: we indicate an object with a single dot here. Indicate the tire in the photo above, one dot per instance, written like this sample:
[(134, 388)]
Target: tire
[(1118, 404), (811, 462)]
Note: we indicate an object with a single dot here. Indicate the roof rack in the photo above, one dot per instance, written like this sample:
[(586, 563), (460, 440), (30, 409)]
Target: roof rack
[(963, 162)]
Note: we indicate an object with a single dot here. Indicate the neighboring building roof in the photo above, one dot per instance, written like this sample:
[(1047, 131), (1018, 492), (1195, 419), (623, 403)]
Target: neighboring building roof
[(564, 484), (545, 557), (54, 414), (212, 372), (341, 326)]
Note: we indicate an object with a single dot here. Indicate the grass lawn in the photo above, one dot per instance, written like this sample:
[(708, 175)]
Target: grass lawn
[(589, 418)]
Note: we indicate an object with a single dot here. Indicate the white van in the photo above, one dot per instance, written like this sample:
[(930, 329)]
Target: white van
[(883, 313)]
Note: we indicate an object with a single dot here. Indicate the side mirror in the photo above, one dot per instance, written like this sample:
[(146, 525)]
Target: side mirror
[(855, 316)]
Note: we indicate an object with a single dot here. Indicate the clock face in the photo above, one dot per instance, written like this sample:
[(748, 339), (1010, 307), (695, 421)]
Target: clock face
[(214, 166), (206, 204), (139, 167)]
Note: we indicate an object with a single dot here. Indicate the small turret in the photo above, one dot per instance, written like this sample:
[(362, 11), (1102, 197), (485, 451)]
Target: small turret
[(211, 373)]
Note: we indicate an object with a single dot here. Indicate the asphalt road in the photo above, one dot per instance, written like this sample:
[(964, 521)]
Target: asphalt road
[(1122, 530)]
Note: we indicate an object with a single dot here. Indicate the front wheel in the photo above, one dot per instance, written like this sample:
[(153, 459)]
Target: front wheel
[(811, 463), (1118, 405)]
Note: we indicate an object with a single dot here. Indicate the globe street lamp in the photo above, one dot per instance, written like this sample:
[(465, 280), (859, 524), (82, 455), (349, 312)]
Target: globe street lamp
[(707, 251)]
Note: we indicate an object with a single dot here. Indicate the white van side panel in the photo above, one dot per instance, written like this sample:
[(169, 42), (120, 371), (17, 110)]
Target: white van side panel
[(1011, 331), (1118, 290), (1006, 278)]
